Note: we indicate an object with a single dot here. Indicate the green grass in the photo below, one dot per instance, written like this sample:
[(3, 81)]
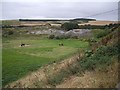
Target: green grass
[(20, 61), (10, 22)]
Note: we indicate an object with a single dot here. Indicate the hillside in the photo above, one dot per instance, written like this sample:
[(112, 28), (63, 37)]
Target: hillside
[(95, 67), (102, 74)]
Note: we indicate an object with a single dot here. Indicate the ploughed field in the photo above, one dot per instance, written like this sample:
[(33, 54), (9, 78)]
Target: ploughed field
[(20, 61)]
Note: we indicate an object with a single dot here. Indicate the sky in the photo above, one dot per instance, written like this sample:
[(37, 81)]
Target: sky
[(62, 9)]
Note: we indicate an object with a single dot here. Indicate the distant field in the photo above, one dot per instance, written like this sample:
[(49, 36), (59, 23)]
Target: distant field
[(99, 22), (40, 23), (19, 61), (10, 22)]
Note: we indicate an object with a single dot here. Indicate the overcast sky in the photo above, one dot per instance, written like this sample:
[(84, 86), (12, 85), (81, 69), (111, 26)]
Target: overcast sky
[(16, 9)]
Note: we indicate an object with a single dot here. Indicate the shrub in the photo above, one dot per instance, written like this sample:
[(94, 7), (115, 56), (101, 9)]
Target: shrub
[(57, 37), (74, 37), (51, 36), (101, 58), (61, 37), (88, 53), (6, 32), (68, 26), (103, 33), (58, 78), (10, 32)]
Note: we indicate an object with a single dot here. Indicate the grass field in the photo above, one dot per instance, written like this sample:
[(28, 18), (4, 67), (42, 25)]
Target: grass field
[(20, 61)]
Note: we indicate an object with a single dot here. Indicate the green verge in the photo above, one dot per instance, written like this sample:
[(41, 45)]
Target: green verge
[(20, 61)]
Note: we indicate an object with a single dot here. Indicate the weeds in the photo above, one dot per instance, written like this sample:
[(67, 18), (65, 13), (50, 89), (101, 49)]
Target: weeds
[(64, 73), (101, 58)]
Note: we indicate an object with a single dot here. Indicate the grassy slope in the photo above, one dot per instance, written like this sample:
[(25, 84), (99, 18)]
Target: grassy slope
[(98, 78), (19, 61), (102, 58)]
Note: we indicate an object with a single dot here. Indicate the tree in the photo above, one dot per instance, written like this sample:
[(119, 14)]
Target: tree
[(69, 25)]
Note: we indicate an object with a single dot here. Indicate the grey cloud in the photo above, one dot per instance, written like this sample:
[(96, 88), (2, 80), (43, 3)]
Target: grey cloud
[(16, 10)]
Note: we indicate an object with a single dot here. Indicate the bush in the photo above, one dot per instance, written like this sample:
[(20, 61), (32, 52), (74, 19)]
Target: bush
[(58, 78), (64, 73), (10, 32), (51, 36), (74, 37), (88, 53), (68, 26), (103, 33), (102, 57), (6, 32), (57, 37)]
